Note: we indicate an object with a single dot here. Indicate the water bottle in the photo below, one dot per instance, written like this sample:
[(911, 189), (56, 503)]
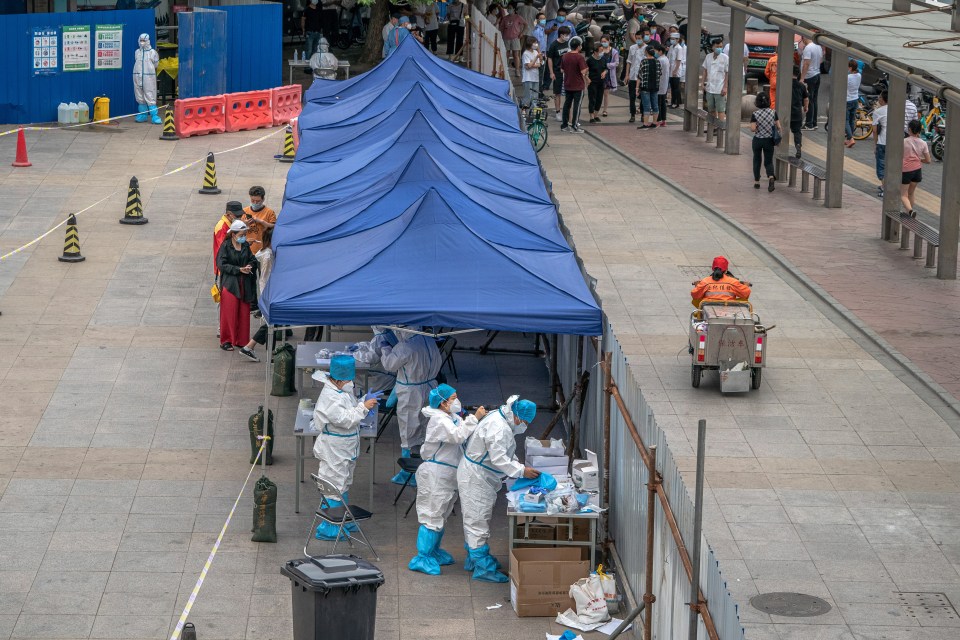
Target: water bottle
[(84, 112), (63, 113), (73, 113)]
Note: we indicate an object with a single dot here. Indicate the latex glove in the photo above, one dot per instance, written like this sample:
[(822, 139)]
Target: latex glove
[(373, 396), (530, 472)]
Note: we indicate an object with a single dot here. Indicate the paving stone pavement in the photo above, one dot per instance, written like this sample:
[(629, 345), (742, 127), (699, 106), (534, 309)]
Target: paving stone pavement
[(123, 438), (834, 479)]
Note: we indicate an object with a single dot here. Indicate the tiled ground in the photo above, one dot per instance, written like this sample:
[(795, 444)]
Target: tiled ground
[(123, 438), (834, 479)]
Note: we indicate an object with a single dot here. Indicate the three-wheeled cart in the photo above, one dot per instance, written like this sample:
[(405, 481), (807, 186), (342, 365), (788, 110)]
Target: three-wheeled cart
[(728, 336)]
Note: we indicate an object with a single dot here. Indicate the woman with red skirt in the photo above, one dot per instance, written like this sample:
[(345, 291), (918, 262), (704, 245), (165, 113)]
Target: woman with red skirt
[(238, 286)]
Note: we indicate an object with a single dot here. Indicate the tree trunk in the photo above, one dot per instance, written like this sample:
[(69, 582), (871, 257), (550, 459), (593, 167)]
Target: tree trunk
[(373, 49)]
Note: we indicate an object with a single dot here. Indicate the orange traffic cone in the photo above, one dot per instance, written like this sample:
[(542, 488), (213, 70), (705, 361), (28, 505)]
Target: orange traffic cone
[(21, 160)]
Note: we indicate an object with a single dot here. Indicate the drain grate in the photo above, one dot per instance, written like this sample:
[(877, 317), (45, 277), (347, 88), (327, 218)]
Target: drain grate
[(791, 605), (694, 271), (929, 608)]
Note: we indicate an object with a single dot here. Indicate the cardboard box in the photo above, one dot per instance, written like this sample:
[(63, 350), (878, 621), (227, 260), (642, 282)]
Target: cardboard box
[(581, 529), (540, 580), (535, 531)]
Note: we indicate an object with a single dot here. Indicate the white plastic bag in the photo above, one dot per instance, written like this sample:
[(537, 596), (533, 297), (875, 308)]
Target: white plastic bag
[(591, 604)]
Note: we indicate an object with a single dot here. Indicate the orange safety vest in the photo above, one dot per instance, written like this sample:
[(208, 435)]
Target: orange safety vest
[(726, 288)]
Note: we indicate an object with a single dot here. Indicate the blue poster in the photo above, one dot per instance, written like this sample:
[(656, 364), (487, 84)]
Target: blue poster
[(45, 51)]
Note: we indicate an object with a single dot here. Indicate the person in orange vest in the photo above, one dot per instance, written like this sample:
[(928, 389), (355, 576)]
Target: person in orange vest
[(719, 285), (771, 72)]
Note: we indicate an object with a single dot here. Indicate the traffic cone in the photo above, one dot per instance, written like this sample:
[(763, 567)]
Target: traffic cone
[(288, 151), (21, 160), (71, 243), (210, 177), (169, 128), (133, 214)]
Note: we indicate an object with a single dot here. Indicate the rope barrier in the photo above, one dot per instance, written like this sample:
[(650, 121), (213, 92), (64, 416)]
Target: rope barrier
[(115, 192), (216, 545), (37, 127)]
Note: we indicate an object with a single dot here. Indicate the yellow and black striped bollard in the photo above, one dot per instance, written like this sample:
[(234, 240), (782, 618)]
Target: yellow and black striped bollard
[(133, 214), (210, 177), (169, 128), (288, 150), (71, 243)]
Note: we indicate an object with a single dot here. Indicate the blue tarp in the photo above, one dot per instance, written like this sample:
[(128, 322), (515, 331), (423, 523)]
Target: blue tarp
[(416, 199)]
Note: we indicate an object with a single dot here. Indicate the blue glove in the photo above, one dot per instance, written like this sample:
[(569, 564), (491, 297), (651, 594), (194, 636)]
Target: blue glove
[(568, 635), (392, 399), (373, 396), (352, 348), (544, 480)]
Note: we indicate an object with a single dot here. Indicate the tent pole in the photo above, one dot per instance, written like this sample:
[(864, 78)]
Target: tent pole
[(266, 394)]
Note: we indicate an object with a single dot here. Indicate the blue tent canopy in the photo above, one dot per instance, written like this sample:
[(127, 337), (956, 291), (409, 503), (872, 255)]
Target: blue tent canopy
[(424, 208)]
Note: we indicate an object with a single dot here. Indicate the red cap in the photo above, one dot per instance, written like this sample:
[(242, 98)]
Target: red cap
[(720, 263)]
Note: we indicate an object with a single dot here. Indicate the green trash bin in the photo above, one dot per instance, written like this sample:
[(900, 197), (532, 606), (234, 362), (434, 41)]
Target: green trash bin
[(334, 596)]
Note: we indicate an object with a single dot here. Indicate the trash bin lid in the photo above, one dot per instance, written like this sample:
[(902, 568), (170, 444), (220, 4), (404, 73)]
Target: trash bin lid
[(339, 571)]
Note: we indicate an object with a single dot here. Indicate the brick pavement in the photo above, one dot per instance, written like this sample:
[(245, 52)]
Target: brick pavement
[(839, 249)]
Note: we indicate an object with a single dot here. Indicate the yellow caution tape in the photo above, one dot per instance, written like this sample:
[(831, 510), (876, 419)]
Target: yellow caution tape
[(115, 192), (213, 552)]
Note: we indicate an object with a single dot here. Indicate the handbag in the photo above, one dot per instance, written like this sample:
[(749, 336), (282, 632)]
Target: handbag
[(777, 136), (215, 294)]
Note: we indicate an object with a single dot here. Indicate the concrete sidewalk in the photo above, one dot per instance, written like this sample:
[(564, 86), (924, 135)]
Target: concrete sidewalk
[(835, 479)]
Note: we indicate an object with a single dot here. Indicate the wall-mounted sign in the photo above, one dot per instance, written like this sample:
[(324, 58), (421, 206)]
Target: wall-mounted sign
[(46, 51), (109, 47), (76, 48)]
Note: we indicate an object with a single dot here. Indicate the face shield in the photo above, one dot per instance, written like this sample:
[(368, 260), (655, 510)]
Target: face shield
[(144, 41)]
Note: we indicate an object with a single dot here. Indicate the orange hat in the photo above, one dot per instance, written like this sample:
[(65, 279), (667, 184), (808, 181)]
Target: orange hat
[(720, 263)]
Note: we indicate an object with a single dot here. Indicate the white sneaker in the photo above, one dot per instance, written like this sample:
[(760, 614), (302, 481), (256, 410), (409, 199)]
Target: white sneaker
[(556, 116)]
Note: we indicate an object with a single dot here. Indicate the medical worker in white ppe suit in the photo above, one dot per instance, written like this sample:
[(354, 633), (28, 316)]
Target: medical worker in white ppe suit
[(337, 416), (416, 361), (489, 454), (437, 476), (145, 64)]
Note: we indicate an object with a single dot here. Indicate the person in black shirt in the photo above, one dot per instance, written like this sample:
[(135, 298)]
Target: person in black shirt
[(555, 51), (799, 104), (597, 72), (311, 23)]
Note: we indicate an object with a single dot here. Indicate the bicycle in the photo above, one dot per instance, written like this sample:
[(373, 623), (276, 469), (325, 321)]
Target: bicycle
[(537, 123)]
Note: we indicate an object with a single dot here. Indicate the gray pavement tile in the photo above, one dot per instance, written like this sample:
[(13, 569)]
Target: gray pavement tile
[(29, 521), (819, 515), (187, 488), (160, 562), (90, 487), (783, 570), (154, 542), (216, 627), (98, 504), (764, 531), (274, 628), (53, 626), (39, 487), (129, 626), (149, 584), (172, 523), (60, 560), (754, 513)]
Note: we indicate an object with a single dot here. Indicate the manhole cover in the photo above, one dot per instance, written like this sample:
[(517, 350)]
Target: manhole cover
[(694, 270), (932, 608), (791, 605)]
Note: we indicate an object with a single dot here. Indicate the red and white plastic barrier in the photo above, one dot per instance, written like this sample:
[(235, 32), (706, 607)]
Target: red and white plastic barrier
[(287, 103), (199, 116), (249, 110)]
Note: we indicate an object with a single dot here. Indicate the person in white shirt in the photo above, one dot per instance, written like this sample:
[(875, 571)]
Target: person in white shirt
[(678, 68), (746, 55), (715, 68), (910, 113), (387, 29), (811, 58), (531, 61), (880, 136), (853, 99), (635, 55)]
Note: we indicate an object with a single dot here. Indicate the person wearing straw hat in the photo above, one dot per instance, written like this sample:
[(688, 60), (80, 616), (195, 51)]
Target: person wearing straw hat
[(337, 417)]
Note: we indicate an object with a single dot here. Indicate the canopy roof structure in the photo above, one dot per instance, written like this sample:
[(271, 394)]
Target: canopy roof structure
[(416, 199)]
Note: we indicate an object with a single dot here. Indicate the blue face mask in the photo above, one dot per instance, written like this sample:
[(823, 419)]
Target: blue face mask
[(646, 38), (543, 22), (242, 239), (655, 54), (717, 50), (561, 18)]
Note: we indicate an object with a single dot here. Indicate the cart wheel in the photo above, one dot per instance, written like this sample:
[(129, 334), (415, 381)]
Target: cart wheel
[(695, 372), (755, 376)]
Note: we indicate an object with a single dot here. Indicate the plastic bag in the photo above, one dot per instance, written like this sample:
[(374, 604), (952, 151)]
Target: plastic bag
[(609, 585), (562, 500), (591, 604)]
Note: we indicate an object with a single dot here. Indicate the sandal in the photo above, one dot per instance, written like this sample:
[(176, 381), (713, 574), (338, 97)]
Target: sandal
[(226, 346), (756, 185), (604, 114), (771, 186)]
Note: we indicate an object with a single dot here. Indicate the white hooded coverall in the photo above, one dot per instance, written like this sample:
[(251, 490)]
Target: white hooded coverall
[(145, 75), (489, 455), (324, 63), (437, 476), (416, 361), (337, 416)]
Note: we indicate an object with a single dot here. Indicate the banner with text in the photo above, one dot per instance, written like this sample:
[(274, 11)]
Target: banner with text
[(76, 48)]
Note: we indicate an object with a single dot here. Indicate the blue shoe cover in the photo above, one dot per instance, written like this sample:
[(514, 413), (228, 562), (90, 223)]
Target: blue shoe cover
[(327, 531), (442, 557), (401, 478), (404, 453), (142, 110), (485, 567), (424, 562), (468, 561), (154, 118)]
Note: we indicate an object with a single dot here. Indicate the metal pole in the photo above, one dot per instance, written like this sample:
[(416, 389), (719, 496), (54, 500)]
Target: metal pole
[(955, 17), (697, 528), (949, 204), (648, 597), (266, 396), (902, 5), (556, 390), (896, 110), (731, 146), (784, 88), (833, 198), (691, 98), (607, 409)]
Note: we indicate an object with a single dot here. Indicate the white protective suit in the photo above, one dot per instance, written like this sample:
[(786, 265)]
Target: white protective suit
[(416, 361), (489, 454), (437, 476), (145, 64), (377, 378), (337, 416), (324, 63)]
